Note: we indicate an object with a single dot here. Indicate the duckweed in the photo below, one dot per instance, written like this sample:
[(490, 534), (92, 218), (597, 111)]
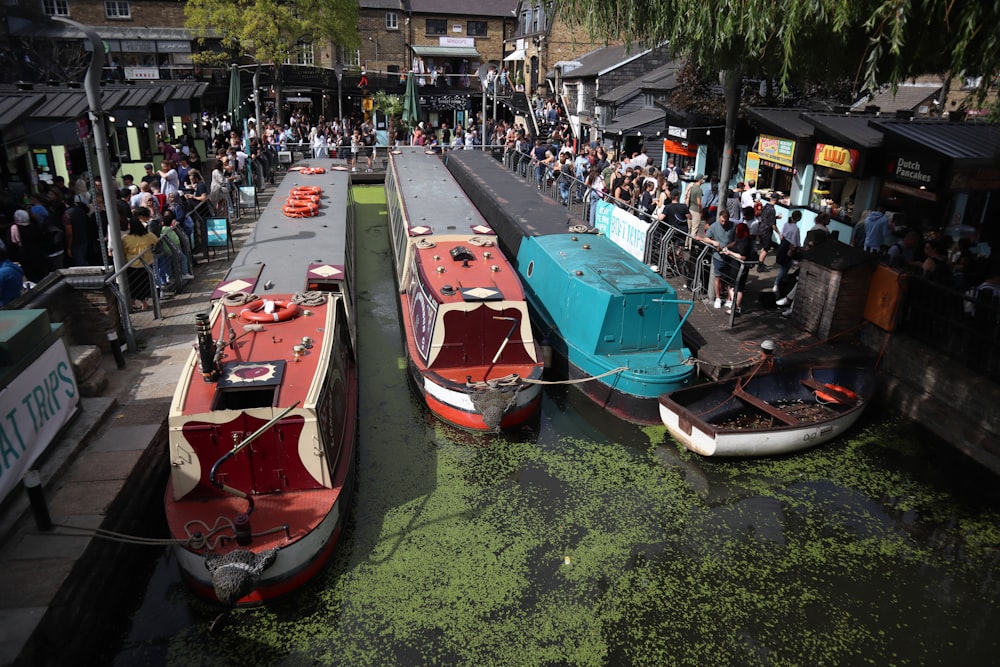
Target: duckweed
[(541, 549)]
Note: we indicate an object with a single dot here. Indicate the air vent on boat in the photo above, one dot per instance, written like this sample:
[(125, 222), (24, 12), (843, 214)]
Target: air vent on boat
[(447, 290), (461, 254)]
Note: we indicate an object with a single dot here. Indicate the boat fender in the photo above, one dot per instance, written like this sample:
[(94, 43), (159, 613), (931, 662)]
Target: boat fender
[(283, 311), (836, 394), (235, 574)]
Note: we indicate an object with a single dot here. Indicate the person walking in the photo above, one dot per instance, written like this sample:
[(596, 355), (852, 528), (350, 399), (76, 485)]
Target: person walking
[(788, 249)]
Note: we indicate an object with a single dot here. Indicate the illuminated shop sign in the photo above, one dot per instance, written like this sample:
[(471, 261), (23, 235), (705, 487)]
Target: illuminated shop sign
[(836, 157), (776, 149)]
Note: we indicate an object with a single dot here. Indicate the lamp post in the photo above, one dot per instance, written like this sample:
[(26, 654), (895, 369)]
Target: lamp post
[(91, 84), (483, 71), (338, 70)]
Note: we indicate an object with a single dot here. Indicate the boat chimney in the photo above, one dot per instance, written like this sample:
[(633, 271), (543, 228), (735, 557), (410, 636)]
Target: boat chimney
[(206, 349)]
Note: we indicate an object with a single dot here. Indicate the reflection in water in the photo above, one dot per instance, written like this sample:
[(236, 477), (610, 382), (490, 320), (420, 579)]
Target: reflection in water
[(587, 541)]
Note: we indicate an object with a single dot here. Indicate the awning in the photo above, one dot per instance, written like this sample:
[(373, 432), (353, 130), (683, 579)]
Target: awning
[(849, 131), (781, 122), (637, 120), (446, 52), (14, 107), (966, 144), (516, 55)]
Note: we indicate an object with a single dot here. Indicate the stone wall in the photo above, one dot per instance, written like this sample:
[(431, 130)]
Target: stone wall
[(79, 299), (949, 400)]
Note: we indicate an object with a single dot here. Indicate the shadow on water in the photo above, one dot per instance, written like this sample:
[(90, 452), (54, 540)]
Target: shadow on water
[(582, 540)]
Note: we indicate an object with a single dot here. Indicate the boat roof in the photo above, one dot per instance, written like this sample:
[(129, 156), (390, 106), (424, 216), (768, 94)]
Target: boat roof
[(504, 197), (432, 200), (456, 270), (284, 249), (595, 259)]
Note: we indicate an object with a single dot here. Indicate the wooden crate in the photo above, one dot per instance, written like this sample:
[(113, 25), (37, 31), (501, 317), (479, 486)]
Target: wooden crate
[(834, 281)]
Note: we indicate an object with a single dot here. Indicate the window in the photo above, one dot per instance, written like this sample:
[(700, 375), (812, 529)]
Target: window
[(303, 55), (476, 29), (437, 27), (391, 21), (56, 7), (117, 9)]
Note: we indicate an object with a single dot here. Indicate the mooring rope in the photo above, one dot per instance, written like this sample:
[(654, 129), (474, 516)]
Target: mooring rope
[(592, 377)]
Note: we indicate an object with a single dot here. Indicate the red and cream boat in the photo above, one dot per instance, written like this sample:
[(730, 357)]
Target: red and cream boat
[(262, 425), (469, 344)]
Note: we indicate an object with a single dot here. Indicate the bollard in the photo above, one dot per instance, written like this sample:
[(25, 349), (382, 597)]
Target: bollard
[(116, 348), (33, 485)]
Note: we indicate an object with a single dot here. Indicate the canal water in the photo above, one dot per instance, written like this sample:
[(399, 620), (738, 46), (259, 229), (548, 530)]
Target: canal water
[(585, 541)]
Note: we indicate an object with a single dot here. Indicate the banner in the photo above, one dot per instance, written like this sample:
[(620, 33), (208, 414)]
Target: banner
[(33, 409), (627, 231)]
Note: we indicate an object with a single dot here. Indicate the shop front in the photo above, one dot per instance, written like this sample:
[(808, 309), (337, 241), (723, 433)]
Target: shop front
[(943, 176), (846, 165), (781, 158)]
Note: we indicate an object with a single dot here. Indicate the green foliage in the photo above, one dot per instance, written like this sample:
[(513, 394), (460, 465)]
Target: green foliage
[(872, 41), (390, 105), (271, 30)]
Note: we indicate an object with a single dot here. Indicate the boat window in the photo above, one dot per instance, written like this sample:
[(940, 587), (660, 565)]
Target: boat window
[(531, 268)]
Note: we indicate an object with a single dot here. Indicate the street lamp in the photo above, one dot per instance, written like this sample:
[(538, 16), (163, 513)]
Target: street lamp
[(338, 70)]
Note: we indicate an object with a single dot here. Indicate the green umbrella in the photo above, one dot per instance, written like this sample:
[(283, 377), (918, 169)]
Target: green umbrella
[(411, 102), (235, 95)]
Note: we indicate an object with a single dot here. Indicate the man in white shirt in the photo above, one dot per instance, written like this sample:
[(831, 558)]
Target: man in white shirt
[(747, 198)]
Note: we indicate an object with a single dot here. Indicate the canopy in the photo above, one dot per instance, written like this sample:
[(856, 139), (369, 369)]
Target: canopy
[(446, 52), (516, 55), (411, 102), (235, 95)]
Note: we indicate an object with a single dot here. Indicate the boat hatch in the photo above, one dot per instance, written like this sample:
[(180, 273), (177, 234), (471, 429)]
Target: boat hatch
[(245, 385), (481, 294)]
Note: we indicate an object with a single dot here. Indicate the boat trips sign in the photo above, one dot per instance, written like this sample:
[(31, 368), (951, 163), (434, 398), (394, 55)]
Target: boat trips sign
[(33, 409), (625, 229)]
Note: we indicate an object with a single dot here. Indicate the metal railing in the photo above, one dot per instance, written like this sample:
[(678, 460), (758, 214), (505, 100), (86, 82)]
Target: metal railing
[(963, 326)]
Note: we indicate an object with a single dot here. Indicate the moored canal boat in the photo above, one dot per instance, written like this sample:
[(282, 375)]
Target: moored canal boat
[(469, 344), (262, 425), (613, 322)]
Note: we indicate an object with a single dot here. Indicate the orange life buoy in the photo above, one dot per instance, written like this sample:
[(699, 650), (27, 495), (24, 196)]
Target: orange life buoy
[(302, 197), (837, 394), (304, 210), (307, 189), (283, 311), (312, 170)]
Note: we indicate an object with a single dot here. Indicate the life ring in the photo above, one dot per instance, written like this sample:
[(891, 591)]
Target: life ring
[(312, 170), (307, 189), (306, 210), (837, 394), (283, 311), (302, 197)]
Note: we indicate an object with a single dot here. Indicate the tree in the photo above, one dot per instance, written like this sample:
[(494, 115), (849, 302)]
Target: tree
[(791, 40), (273, 31), (392, 107)]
